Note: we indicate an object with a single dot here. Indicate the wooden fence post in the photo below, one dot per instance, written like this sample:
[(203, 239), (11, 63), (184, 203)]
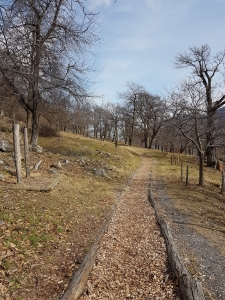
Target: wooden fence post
[(181, 172), (26, 153), (187, 175), (17, 155), (223, 183)]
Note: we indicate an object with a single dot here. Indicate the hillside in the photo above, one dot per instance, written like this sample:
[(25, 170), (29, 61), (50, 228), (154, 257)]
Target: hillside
[(45, 234)]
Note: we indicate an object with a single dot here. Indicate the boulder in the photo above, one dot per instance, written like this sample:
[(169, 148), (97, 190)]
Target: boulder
[(5, 146), (37, 149)]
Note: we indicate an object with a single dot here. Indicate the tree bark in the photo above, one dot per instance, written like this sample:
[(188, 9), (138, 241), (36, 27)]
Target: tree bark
[(26, 153), (16, 140), (201, 169), (145, 141), (210, 138), (35, 129)]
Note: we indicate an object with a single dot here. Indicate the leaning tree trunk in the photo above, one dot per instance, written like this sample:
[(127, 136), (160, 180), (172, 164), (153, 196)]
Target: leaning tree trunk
[(153, 136)]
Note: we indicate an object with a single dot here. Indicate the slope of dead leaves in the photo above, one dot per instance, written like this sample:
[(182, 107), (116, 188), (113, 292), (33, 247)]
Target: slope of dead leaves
[(132, 261)]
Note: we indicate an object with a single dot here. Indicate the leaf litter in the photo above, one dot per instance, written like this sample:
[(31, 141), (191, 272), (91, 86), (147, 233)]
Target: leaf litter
[(44, 236), (132, 260)]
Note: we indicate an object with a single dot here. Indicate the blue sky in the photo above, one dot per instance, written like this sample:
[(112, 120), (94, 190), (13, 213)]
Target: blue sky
[(139, 40)]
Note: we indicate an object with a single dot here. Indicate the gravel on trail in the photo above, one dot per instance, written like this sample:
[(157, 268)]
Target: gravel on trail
[(209, 262), (132, 261)]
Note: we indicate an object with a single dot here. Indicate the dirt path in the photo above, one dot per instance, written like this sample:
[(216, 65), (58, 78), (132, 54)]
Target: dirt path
[(209, 264), (132, 261)]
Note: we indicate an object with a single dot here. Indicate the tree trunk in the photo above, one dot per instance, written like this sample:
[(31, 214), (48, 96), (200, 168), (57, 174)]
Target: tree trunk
[(210, 138), (16, 141), (29, 120), (151, 142), (2, 114), (130, 141), (26, 153), (153, 136), (35, 129), (116, 133), (201, 169), (211, 157), (145, 141)]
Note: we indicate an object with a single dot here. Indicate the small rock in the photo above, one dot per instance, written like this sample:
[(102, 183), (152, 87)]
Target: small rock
[(2, 177), (57, 165), (187, 261), (99, 172), (53, 171), (37, 149), (82, 163), (5, 146)]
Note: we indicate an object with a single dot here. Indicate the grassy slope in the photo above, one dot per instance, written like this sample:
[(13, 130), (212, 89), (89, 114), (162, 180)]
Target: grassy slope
[(44, 236)]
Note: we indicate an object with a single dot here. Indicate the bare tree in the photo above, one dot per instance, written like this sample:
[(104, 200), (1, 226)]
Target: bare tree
[(191, 120), (151, 111), (82, 118), (42, 48), (115, 115), (207, 72), (130, 98)]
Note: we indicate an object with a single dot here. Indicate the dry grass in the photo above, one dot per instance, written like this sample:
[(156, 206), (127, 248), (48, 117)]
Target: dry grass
[(204, 206), (44, 236)]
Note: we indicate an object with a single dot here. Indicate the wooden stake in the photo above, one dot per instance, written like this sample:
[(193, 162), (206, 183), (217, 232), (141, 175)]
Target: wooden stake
[(181, 172), (26, 153), (16, 140), (223, 183), (187, 175)]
